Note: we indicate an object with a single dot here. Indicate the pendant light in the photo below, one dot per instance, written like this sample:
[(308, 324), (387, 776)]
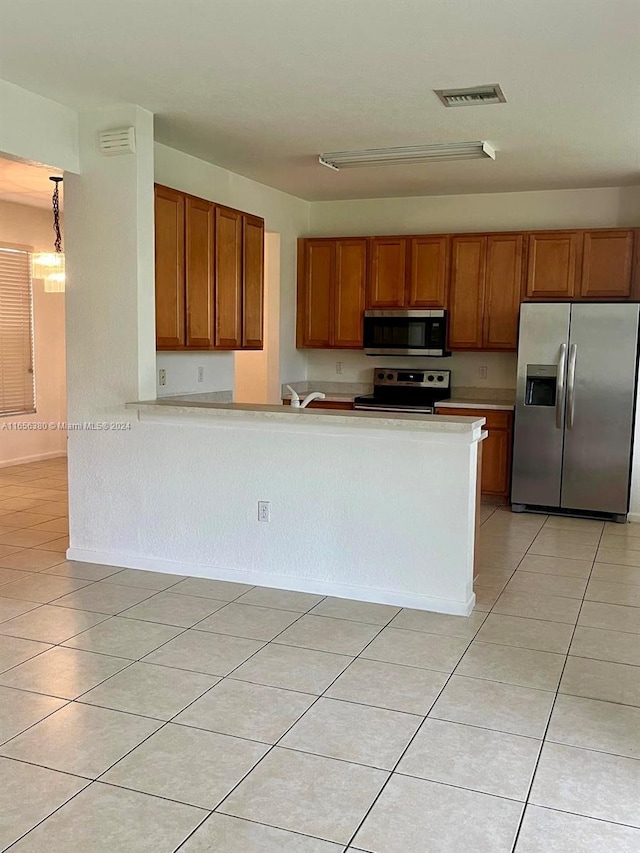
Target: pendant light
[(50, 265)]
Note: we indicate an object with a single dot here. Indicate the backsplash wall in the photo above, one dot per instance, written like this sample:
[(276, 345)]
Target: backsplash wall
[(464, 367)]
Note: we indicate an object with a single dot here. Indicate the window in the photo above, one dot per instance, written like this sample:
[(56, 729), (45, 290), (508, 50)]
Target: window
[(17, 394)]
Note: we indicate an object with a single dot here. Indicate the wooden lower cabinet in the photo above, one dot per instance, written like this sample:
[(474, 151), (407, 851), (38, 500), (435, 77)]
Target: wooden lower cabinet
[(324, 404), (496, 448)]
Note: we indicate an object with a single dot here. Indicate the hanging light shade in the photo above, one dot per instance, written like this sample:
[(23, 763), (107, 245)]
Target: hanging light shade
[(50, 265), (54, 282), (45, 263)]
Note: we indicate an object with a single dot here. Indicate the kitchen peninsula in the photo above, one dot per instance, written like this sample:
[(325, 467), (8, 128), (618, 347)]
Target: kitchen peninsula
[(362, 505)]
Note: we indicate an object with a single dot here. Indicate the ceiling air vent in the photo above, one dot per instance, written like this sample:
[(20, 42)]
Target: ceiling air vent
[(121, 140), (474, 96)]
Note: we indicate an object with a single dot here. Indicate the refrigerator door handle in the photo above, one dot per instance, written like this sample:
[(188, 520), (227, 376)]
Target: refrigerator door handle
[(560, 395), (571, 385)]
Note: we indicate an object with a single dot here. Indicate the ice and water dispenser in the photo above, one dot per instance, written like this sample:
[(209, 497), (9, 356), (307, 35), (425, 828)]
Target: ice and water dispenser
[(542, 380)]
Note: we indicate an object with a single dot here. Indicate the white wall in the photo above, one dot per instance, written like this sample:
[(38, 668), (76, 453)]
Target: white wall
[(187, 503), (587, 208), (284, 214), (181, 371), (38, 129), (464, 367), (31, 226)]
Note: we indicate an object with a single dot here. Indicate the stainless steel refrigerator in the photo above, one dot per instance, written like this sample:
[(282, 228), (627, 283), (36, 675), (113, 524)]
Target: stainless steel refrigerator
[(575, 407)]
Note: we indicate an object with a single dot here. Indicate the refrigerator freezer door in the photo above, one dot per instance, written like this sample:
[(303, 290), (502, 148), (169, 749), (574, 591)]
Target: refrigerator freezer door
[(601, 381), (539, 429)]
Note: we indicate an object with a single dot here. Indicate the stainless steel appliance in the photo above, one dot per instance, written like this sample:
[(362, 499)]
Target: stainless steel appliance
[(575, 407), (394, 332), (402, 390)]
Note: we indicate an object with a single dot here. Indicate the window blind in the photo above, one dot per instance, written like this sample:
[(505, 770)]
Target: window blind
[(17, 394)]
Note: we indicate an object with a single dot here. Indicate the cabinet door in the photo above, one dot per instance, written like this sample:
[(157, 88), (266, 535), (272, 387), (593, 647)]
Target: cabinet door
[(199, 272), (496, 447), (466, 298), (428, 272), (496, 453), (607, 263), (348, 301), (387, 279), (553, 266), (169, 248), (503, 283), (316, 272), (252, 282), (228, 278)]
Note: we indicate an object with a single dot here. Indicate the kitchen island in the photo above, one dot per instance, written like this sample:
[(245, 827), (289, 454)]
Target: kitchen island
[(361, 505)]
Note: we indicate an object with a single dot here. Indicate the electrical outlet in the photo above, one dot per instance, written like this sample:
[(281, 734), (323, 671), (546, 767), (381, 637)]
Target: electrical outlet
[(201, 374), (482, 371), (264, 511), (339, 366), (162, 376)]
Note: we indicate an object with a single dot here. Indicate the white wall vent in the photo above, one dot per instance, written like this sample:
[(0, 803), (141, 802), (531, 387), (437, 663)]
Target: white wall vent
[(121, 140), (474, 96)]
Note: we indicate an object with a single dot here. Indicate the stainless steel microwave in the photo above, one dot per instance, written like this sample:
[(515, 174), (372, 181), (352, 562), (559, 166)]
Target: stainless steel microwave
[(399, 332)]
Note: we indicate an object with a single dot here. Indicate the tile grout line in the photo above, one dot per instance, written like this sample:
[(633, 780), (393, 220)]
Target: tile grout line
[(527, 802), (266, 643)]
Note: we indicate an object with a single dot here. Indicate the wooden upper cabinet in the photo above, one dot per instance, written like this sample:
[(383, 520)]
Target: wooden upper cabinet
[(316, 272), (199, 272), (169, 249), (349, 287), (554, 264), (252, 282), (387, 278), (228, 278), (429, 271), (466, 296), (503, 286), (607, 265)]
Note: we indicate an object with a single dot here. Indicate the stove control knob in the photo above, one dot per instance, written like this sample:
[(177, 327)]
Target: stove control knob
[(440, 378), (381, 376), (430, 378), (389, 375)]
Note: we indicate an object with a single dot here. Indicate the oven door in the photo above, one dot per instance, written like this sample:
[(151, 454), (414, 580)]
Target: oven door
[(422, 333)]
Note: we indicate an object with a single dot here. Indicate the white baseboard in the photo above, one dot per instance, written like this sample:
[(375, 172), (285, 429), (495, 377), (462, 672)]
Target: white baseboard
[(318, 587), (39, 457), (634, 516)]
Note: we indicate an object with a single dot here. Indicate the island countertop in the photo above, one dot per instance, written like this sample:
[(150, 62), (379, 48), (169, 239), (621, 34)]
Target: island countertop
[(468, 428)]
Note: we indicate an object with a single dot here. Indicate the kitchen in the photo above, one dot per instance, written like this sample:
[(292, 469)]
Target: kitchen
[(325, 716), (406, 301)]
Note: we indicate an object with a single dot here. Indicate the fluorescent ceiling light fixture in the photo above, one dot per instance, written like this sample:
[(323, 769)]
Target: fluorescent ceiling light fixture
[(408, 156)]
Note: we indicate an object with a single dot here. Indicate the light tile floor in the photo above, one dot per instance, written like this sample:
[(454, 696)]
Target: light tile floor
[(150, 712)]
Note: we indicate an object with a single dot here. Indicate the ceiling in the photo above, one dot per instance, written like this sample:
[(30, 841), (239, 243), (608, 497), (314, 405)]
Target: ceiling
[(27, 183), (262, 87)]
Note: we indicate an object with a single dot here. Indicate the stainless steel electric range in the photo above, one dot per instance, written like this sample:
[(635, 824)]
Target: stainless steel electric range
[(401, 390)]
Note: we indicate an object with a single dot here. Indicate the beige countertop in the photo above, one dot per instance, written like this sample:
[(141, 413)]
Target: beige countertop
[(492, 399), (505, 405), (244, 414)]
